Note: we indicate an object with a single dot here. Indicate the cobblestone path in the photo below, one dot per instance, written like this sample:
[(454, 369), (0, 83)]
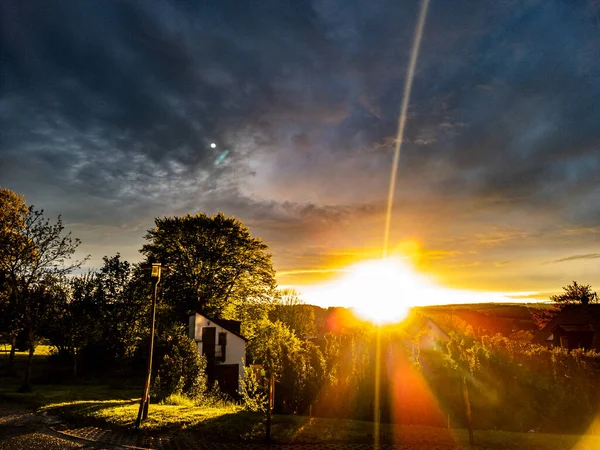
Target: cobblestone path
[(190, 441)]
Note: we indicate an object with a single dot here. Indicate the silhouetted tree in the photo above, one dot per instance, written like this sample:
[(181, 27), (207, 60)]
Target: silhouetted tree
[(104, 314), (576, 294), (34, 259), (14, 249)]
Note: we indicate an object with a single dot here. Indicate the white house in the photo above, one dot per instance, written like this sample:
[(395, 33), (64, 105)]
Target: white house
[(223, 346), (425, 332)]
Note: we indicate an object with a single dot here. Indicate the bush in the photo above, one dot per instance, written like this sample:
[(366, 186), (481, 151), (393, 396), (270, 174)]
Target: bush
[(178, 400), (252, 393), (180, 368)]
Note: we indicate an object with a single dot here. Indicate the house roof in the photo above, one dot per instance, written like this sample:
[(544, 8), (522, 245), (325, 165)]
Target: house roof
[(572, 318), (232, 326), (417, 323)]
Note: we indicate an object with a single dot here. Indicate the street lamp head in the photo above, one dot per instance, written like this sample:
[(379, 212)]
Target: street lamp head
[(156, 270)]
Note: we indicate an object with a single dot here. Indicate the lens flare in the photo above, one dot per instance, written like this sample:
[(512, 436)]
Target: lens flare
[(414, 54)]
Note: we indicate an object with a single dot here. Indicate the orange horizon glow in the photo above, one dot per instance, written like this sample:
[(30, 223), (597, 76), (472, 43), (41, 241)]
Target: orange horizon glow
[(382, 290)]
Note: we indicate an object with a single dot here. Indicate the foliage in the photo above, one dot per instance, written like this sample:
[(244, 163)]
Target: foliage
[(576, 293), (178, 400), (33, 258), (579, 294), (104, 316), (294, 313), (252, 391), (214, 266), (121, 296), (298, 366), (180, 368), (13, 243), (274, 347), (117, 408)]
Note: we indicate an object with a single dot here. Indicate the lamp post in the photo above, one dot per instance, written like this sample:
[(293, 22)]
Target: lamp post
[(145, 401)]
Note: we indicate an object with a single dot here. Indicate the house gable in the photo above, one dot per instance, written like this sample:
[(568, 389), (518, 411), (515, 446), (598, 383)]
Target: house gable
[(222, 345)]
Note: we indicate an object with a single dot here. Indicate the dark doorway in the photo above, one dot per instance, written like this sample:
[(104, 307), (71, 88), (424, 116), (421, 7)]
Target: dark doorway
[(227, 377)]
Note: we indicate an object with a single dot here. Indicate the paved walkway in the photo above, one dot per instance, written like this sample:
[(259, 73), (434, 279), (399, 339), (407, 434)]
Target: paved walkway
[(21, 428), (133, 440)]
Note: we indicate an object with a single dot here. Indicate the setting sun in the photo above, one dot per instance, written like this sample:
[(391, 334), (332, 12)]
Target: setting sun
[(380, 290), (383, 290)]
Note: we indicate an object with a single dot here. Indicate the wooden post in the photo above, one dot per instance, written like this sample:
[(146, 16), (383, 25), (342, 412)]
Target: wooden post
[(468, 410), (270, 395)]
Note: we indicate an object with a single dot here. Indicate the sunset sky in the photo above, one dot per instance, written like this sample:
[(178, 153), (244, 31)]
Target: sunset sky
[(108, 110)]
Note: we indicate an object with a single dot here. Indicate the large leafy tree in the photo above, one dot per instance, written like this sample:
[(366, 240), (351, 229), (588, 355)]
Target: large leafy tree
[(13, 249), (36, 253), (213, 265)]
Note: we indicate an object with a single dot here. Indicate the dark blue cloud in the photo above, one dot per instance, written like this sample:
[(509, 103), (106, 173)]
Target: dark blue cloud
[(108, 109)]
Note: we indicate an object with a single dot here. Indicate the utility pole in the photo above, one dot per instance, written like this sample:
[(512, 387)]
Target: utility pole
[(145, 401)]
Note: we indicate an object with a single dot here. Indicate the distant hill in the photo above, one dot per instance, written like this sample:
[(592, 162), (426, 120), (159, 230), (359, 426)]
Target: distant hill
[(485, 318), (489, 318)]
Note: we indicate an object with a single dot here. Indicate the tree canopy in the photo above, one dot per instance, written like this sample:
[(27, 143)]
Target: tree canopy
[(576, 294), (293, 312), (213, 265), (35, 253)]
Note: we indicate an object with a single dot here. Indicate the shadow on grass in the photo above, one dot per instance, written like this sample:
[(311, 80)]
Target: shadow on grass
[(251, 427)]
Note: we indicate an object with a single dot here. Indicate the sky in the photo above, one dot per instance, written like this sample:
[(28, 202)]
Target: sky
[(108, 111)]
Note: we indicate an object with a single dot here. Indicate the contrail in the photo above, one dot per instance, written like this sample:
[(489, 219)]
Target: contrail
[(402, 119)]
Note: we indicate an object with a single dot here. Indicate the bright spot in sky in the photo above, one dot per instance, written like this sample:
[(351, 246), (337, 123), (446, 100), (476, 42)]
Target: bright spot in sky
[(213, 145), (383, 291)]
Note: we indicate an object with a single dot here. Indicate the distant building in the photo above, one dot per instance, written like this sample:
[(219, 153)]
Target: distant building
[(425, 331), (575, 326), (223, 346)]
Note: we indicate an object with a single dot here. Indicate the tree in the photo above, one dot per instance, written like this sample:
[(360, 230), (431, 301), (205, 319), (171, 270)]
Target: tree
[(78, 318), (180, 368), (13, 248), (294, 313), (463, 357), (214, 266), (121, 302), (576, 294), (103, 315), (33, 259)]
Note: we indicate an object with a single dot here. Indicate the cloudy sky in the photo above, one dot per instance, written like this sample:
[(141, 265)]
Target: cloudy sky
[(108, 110)]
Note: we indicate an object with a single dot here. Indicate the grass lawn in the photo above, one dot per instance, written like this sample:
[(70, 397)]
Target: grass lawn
[(117, 407), (110, 407)]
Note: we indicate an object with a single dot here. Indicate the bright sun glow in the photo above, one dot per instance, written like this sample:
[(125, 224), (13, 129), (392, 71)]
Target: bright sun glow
[(384, 290), (380, 290)]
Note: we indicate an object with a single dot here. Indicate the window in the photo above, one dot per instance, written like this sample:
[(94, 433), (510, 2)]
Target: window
[(222, 343)]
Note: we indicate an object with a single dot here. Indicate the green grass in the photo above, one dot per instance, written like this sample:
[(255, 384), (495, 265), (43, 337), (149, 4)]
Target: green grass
[(47, 396), (40, 350), (117, 408)]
